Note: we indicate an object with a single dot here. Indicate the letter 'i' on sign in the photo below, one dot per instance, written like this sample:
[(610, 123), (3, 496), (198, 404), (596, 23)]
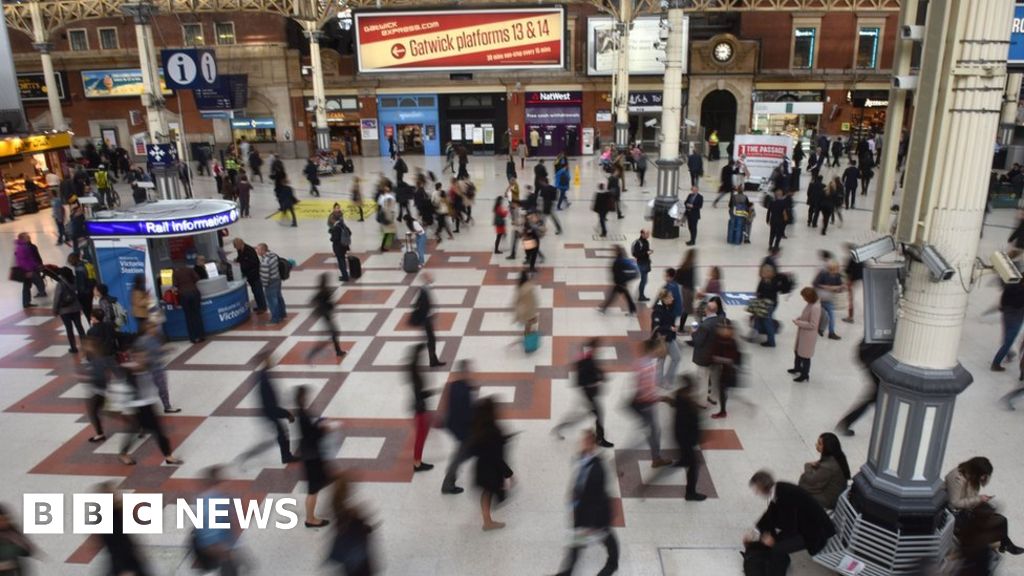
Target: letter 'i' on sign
[(208, 66), (182, 68)]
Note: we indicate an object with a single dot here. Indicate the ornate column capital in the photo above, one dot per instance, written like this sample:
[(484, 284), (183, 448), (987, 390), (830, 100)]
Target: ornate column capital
[(43, 47), (140, 12)]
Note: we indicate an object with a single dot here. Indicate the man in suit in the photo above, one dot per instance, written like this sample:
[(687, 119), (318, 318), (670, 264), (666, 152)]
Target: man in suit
[(693, 204), (794, 521), (591, 509), (695, 164), (423, 315)]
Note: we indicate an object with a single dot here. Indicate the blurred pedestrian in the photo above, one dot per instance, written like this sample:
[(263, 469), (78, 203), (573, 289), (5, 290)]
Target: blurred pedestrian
[(457, 420), (143, 398), (421, 418), (323, 311), (66, 305), (687, 430), (271, 411), (423, 316), (589, 377), (13, 546), (351, 546), (487, 442), (646, 398), (314, 468)]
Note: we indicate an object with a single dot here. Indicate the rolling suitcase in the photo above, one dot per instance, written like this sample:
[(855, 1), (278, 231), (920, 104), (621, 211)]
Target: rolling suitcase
[(355, 267), (410, 261)]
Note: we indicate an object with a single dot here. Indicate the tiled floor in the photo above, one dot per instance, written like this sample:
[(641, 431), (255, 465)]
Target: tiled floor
[(772, 422)]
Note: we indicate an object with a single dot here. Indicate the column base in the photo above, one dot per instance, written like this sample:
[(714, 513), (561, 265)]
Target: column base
[(665, 227), (323, 138), (621, 136)]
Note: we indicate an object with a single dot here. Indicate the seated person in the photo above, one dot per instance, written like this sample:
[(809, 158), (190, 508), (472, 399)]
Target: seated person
[(826, 478), (963, 486), (1015, 172), (200, 268), (794, 521)]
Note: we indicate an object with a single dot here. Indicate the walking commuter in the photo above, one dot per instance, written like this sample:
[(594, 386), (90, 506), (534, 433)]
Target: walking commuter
[(827, 206), (641, 166), (703, 338), (421, 418), (271, 411), (144, 397), (623, 271), (829, 284), (415, 229), (602, 206), (215, 546), (323, 311), (500, 217), (815, 199), (310, 443), (778, 218), (663, 328), (151, 342), (540, 174), (29, 269), (589, 377), (100, 344), (548, 195), (837, 151), (66, 305), (853, 274), (646, 398), (386, 217), (487, 443), (591, 508), (533, 231), (562, 180), (125, 557), (285, 200), (423, 316), (686, 430), (850, 178), (695, 165), (351, 547), (867, 354), (726, 360), (457, 420)]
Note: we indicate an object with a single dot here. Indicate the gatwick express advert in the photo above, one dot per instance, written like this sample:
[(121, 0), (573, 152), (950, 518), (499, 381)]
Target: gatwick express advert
[(447, 40), (762, 154)]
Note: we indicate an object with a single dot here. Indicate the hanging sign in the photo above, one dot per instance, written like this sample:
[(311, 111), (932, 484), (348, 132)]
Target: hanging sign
[(188, 68)]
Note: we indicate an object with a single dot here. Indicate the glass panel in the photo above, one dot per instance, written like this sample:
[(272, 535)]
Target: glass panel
[(193, 34), (867, 47), (426, 102), (78, 41), (389, 102), (803, 47), (896, 450), (883, 406), (407, 103), (225, 32), (926, 441), (108, 38)]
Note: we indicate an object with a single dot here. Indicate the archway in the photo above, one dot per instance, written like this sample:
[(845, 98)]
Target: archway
[(718, 112)]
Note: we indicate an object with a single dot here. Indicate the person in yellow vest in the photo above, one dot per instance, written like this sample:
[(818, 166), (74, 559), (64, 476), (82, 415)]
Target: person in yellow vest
[(713, 153)]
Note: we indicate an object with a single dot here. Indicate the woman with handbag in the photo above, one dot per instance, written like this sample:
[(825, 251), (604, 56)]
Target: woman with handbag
[(25, 268), (66, 305), (533, 231), (500, 216)]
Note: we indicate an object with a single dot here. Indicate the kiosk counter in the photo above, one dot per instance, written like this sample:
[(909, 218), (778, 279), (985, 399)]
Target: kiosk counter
[(154, 239)]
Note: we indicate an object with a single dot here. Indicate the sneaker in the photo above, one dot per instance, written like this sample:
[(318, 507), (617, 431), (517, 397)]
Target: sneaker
[(423, 467)]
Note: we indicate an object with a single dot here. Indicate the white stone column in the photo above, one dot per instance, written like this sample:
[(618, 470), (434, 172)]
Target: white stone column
[(323, 135), (42, 44), (622, 75), (152, 97), (669, 162)]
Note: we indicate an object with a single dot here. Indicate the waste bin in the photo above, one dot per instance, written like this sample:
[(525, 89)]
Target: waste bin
[(665, 226)]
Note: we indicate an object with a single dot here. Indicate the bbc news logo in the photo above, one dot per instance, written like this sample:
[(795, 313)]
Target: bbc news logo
[(144, 513)]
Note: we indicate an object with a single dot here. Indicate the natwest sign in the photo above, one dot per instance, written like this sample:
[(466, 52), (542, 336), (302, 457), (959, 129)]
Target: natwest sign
[(534, 98)]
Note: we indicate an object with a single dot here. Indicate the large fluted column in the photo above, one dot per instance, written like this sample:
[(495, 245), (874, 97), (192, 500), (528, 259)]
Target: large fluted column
[(323, 135), (900, 488), (42, 44), (668, 162), (622, 76), (152, 97)]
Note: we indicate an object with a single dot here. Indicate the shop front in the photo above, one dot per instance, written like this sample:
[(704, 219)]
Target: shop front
[(479, 122), (553, 123), (411, 121), (645, 118), (255, 130), (869, 112), (796, 114), (342, 123), (24, 163), (154, 239)]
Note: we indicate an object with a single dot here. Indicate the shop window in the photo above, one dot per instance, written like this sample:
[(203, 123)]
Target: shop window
[(389, 102), (426, 102), (78, 40), (108, 38), (804, 39), (225, 32), (868, 41), (192, 34)]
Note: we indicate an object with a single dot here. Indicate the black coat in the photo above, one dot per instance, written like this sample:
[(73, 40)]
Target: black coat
[(695, 164), (249, 263), (686, 429), (422, 308), (793, 512), (460, 409), (591, 507), (697, 203), (588, 373), (702, 340), (268, 398)]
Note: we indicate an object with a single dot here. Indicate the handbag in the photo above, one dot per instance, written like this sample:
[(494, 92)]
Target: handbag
[(18, 274), (529, 243)]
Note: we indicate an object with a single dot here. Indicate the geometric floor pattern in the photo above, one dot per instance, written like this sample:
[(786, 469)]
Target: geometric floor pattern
[(772, 422)]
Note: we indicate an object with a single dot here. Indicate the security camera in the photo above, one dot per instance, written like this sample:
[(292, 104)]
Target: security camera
[(874, 249), (665, 4), (904, 82), (663, 34), (1005, 267), (915, 33), (651, 123), (937, 265)]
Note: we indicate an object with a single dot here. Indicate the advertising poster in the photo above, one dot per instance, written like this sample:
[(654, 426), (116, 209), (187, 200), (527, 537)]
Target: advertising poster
[(33, 86), (644, 56), (446, 40), (118, 265), (1016, 56), (139, 143), (762, 154), (368, 127), (116, 83)]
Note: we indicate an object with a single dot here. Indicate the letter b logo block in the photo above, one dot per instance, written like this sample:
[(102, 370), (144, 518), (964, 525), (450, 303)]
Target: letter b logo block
[(43, 513), (92, 514)]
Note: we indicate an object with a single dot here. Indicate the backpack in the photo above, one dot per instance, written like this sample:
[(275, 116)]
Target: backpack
[(635, 249), (120, 314), (341, 234), (284, 268), (67, 295), (470, 190)]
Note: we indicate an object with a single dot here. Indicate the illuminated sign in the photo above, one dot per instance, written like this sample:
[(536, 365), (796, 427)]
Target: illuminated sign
[(1017, 36), (158, 228), (37, 143), (33, 86), (447, 40), (116, 83)]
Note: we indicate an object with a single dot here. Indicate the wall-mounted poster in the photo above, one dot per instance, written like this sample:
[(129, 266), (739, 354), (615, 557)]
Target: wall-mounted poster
[(645, 57), (456, 132), (33, 86), (116, 83), (368, 128)]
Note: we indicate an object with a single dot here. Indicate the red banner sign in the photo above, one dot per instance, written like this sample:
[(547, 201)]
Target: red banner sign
[(446, 40)]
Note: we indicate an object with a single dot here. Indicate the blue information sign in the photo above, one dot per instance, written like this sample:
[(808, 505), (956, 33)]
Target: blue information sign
[(165, 227), (161, 155), (1017, 37), (188, 68)]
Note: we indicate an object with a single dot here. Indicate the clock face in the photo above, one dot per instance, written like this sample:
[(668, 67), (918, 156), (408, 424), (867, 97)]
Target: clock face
[(723, 52)]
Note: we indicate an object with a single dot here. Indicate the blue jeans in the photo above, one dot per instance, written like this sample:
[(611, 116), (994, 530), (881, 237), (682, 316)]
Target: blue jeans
[(421, 248), (1013, 319), (766, 326), (275, 301), (645, 269), (829, 308)]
